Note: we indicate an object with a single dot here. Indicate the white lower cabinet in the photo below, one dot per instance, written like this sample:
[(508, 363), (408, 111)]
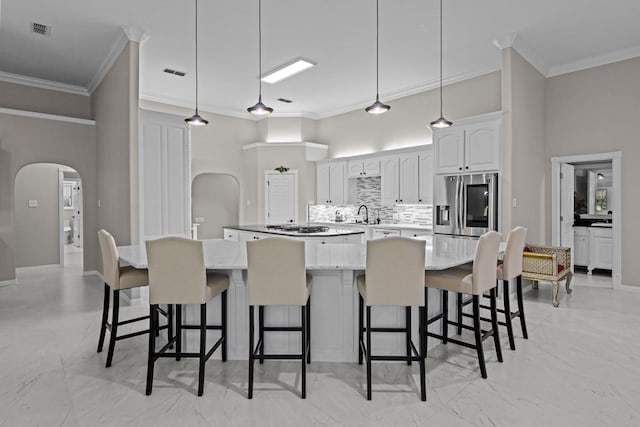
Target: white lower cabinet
[(414, 233), (381, 233), (581, 246)]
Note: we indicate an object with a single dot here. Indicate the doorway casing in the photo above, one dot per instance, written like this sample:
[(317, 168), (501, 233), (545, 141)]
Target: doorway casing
[(616, 160)]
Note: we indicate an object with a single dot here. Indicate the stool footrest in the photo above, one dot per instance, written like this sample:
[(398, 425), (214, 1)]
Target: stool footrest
[(137, 319), (282, 328), (209, 327), (435, 318)]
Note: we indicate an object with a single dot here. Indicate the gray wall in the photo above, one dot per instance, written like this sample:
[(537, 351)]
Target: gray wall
[(523, 146), (593, 111), (27, 98), (25, 141), (407, 123), (37, 230), (216, 198), (115, 112)]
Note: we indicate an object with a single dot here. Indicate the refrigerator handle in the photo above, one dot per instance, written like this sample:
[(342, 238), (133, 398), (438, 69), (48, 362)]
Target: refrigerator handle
[(459, 184), (492, 204), (462, 204)]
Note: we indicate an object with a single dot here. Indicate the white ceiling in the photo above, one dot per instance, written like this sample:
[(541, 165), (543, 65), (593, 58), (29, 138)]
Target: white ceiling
[(555, 35)]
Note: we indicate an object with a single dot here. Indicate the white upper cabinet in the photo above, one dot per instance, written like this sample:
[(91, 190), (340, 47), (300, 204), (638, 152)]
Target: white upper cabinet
[(469, 146), (409, 165), (330, 183), (425, 181), (390, 180), (363, 168)]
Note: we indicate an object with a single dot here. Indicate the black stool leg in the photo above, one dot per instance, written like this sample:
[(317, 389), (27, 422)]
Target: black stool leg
[(459, 299), (408, 334), (105, 317), (445, 316), (223, 323), (494, 324), (170, 323), (478, 335), (423, 352), (368, 352), (178, 331), (523, 323), (309, 330), (203, 347), (303, 329), (251, 333), (261, 333), (152, 348), (507, 313), (360, 328), (114, 325)]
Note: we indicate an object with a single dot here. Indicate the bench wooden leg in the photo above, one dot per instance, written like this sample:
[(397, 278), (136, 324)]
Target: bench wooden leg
[(556, 288)]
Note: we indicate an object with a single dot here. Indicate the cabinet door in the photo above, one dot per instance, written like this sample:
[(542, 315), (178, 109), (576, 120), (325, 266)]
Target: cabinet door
[(381, 234), (601, 248), (389, 182), (580, 246), (371, 167), (337, 183), (415, 233), (409, 164), (322, 183), (425, 183), (354, 169), (481, 147), (449, 150)]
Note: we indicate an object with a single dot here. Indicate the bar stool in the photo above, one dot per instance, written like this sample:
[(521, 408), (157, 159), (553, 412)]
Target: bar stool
[(394, 276), (509, 268), (177, 275), (116, 278), (481, 279), (277, 276)]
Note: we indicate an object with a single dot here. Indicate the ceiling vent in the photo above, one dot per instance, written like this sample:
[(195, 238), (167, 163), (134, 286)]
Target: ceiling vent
[(174, 72), (41, 29), (285, 100)]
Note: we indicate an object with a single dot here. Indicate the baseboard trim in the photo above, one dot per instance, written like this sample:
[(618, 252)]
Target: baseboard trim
[(627, 288), (8, 282), (92, 273)]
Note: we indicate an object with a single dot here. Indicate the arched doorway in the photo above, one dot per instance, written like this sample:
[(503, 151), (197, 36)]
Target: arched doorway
[(48, 212), (215, 203)]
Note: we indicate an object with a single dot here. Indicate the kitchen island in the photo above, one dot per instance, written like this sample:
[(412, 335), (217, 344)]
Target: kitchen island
[(309, 232), (334, 296)]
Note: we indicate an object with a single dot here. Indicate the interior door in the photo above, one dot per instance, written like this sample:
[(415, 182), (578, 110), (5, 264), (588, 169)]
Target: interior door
[(567, 189), (281, 198)]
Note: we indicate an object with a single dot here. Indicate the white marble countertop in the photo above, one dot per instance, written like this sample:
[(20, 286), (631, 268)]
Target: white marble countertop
[(442, 252), (382, 225), (333, 231)]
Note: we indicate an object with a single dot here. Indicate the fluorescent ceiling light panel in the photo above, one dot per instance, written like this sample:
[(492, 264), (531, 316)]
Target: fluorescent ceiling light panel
[(287, 70)]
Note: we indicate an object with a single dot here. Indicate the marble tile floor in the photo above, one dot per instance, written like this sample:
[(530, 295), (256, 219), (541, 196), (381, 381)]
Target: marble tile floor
[(579, 367)]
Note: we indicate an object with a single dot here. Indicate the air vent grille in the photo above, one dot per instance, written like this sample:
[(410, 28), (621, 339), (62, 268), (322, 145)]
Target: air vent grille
[(175, 72), (285, 100), (41, 29)]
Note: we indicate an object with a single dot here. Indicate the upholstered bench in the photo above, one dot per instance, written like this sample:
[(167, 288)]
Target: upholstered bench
[(548, 263)]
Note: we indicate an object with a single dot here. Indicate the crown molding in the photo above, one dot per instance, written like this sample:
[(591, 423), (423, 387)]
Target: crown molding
[(408, 91), (596, 61), (284, 144), (109, 60), (42, 84), (135, 34), (46, 116)]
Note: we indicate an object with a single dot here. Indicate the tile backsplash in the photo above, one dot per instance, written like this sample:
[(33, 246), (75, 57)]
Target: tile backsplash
[(368, 193)]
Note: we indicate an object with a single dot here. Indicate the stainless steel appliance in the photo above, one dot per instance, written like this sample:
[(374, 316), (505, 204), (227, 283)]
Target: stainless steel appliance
[(465, 205)]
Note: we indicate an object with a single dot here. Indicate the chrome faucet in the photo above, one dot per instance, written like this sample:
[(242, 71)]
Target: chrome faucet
[(366, 213)]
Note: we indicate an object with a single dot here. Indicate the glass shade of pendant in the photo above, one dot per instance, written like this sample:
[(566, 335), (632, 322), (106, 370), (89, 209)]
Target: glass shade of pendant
[(441, 123), (196, 120), (377, 107)]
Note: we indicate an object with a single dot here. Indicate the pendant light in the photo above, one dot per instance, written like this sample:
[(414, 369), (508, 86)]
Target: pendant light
[(259, 109), (377, 107), (196, 119), (441, 122)]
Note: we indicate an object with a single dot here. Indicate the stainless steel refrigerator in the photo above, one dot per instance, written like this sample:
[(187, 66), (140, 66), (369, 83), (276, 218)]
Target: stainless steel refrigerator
[(465, 205)]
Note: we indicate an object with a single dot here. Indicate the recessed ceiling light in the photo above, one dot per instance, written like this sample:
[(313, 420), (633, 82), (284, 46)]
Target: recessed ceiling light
[(287, 70)]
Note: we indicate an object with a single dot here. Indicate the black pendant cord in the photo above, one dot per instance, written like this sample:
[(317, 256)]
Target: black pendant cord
[(196, 56), (441, 114), (377, 51), (259, 50)]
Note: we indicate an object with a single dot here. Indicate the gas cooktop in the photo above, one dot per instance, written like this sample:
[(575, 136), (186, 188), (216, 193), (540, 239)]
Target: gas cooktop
[(304, 229)]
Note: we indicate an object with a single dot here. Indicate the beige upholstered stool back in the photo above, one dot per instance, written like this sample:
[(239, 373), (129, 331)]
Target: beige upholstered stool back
[(110, 259), (485, 262), (395, 272), (177, 273), (512, 260), (277, 273)]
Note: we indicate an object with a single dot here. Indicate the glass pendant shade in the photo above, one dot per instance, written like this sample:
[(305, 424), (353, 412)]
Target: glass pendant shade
[(377, 107), (196, 120)]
